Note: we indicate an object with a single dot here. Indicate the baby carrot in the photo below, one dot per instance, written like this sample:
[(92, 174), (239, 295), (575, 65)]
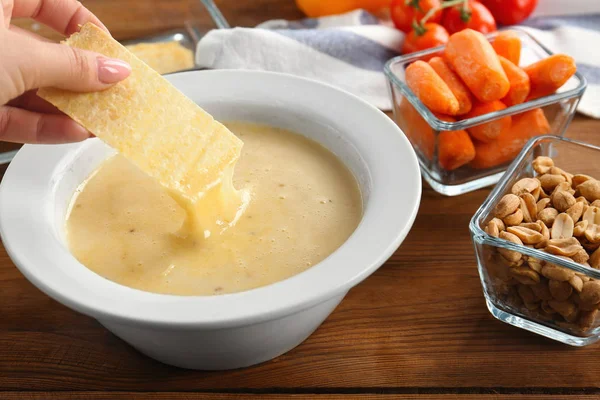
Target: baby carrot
[(525, 126), (519, 83), (490, 130), (416, 128), (475, 61), (455, 148), (549, 74), (430, 88), (508, 45), (458, 88)]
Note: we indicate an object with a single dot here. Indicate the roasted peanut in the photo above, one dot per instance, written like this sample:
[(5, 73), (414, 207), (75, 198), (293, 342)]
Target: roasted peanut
[(536, 193), (527, 294), (563, 200), (590, 294), (578, 179), (557, 171), (580, 257), (595, 259), (590, 189), (563, 247), (528, 207), (583, 200), (524, 275), (562, 228), (546, 308), (547, 216), (592, 234), (565, 308), (542, 164), (557, 273), (527, 236), (576, 282), (535, 264), (575, 211), (589, 246), (549, 182), (492, 229), (542, 203), (507, 205), (591, 215), (499, 223), (510, 255), (525, 185), (531, 225), (587, 319), (563, 187), (580, 227), (542, 291), (595, 203), (561, 291), (515, 218)]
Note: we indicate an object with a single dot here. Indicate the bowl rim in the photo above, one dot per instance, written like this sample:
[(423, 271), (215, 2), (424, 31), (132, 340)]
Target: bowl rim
[(24, 224), (480, 236), (441, 125)]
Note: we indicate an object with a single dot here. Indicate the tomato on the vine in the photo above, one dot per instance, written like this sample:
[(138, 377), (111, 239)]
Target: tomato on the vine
[(425, 37), (510, 12), (475, 16), (405, 12)]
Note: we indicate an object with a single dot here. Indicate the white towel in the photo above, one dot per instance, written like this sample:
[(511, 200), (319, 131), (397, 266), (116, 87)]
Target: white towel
[(350, 50)]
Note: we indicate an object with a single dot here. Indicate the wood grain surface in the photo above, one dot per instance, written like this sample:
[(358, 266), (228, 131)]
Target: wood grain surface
[(417, 328)]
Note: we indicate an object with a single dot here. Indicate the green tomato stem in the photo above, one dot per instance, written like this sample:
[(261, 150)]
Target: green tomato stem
[(445, 4)]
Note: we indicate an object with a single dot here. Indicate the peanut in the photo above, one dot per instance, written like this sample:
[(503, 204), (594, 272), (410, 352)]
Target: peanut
[(562, 227), (507, 205), (535, 264), (528, 207), (592, 234), (587, 319), (592, 215), (576, 282), (515, 218), (561, 291), (580, 257), (563, 187), (590, 189), (510, 255), (575, 211), (565, 308), (546, 308), (595, 203), (543, 203), (542, 164), (527, 236), (563, 247), (557, 171), (525, 275), (578, 179), (536, 193), (542, 291), (527, 294), (595, 259), (590, 294), (547, 216), (500, 224), (549, 182), (525, 185), (557, 273), (563, 200), (532, 225), (583, 200), (492, 229), (580, 228)]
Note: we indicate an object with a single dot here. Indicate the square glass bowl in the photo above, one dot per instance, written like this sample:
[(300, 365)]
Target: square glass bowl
[(422, 127), (508, 285)]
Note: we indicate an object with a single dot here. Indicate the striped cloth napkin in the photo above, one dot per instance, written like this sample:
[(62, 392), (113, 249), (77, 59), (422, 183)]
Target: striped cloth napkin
[(350, 50)]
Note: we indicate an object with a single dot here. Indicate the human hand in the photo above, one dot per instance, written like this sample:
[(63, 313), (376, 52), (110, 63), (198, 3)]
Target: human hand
[(28, 62)]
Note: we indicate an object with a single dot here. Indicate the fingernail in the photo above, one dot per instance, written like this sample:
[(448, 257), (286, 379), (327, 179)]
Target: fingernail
[(112, 70)]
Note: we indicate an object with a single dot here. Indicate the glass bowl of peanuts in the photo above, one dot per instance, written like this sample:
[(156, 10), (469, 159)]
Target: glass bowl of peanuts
[(537, 241), (465, 135)]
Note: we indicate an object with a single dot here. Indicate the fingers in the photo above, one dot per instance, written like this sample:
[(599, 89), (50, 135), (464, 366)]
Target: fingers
[(30, 34), (21, 126), (64, 67), (64, 16), (32, 102)]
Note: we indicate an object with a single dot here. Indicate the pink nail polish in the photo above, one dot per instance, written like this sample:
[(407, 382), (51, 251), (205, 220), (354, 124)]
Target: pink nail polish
[(111, 70)]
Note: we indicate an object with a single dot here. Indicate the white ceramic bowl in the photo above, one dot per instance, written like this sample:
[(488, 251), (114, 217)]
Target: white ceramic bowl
[(233, 330)]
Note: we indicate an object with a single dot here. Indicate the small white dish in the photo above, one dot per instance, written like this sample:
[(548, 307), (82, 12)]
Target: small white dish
[(232, 330)]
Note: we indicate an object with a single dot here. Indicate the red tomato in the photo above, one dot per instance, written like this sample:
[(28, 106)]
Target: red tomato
[(433, 35), (510, 12), (476, 17), (403, 13)]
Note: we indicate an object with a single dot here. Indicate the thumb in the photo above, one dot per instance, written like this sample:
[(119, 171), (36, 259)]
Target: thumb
[(64, 67)]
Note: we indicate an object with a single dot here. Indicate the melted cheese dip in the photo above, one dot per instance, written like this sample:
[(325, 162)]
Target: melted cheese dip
[(302, 204)]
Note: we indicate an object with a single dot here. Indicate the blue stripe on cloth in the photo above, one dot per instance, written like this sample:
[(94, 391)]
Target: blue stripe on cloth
[(307, 23), (345, 46), (367, 18), (591, 73), (591, 22)]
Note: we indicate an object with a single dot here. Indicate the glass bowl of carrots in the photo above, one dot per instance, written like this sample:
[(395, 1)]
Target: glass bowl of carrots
[(470, 106)]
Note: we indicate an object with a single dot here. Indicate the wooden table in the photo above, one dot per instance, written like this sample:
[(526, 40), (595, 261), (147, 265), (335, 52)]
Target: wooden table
[(417, 328)]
